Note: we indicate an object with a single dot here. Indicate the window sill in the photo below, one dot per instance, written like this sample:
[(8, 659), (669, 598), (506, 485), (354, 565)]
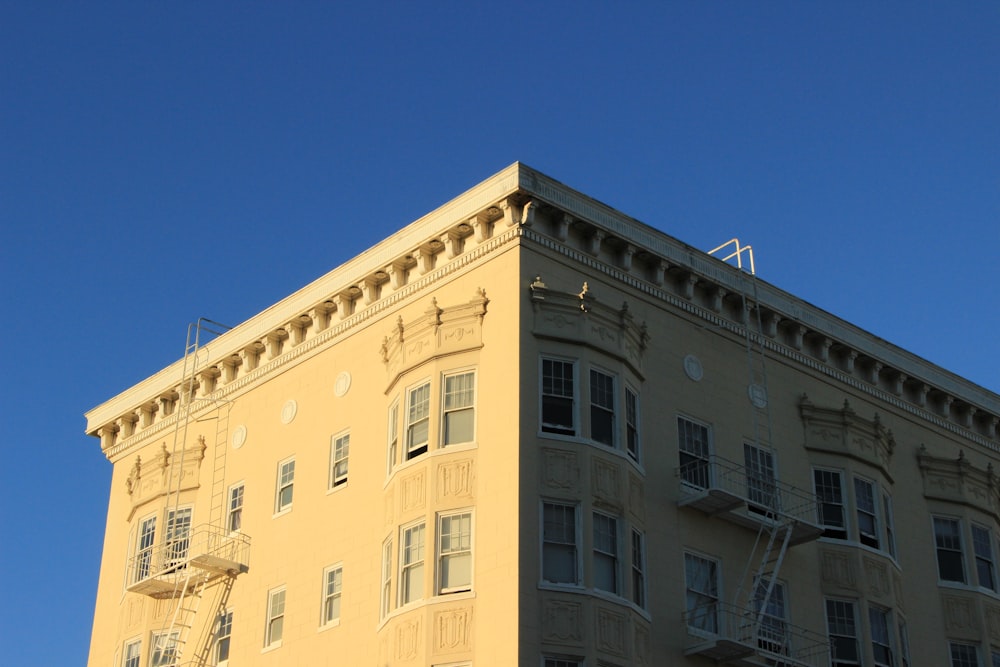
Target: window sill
[(287, 510), (327, 626), (336, 487), (271, 647), (419, 604)]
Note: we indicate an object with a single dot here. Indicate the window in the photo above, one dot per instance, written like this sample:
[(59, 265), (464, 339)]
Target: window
[(132, 653), (234, 519), (385, 603), (223, 635), (864, 502), (702, 599), (995, 658), (830, 495), (275, 617), (772, 635), (761, 478), (878, 619), (417, 420), (948, 539), (602, 408), (982, 545), (843, 631), (638, 568), (459, 417), (144, 548), (392, 446), (286, 480), (632, 424), (561, 662), (411, 574), (694, 453), (559, 544), (340, 447), (333, 579), (964, 655), (455, 553), (557, 397), (904, 646), (178, 537), (605, 552), (163, 651), (890, 527)]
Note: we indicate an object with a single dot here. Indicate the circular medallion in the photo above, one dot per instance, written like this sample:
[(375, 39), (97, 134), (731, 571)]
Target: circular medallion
[(239, 436), (342, 384), (288, 411), (758, 395), (692, 367)]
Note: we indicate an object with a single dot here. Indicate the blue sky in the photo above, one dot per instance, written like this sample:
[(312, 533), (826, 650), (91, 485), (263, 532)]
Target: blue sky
[(163, 161)]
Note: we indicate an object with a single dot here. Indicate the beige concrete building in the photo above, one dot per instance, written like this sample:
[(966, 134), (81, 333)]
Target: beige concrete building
[(529, 430)]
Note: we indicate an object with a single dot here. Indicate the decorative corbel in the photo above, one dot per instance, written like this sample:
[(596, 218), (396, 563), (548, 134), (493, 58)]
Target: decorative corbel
[(274, 341), (594, 242), (562, 227), (627, 254)]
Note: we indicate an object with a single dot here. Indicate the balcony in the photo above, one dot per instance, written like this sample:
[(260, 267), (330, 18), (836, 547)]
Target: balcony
[(734, 636), (203, 554), (723, 488)]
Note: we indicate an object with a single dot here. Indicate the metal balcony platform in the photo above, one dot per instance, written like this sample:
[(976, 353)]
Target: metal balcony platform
[(203, 555)]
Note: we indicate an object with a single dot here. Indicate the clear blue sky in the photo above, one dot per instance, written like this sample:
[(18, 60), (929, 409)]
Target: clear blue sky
[(161, 161)]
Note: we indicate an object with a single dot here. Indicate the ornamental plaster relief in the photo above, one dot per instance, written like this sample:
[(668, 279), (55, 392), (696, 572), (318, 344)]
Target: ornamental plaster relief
[(560, 471), (163, 474), (957, 480), (992, 619), (961, 616), (132, 614), (838, 571), (413, 492), (640, 643), (406, 640), (610, 629), (453, 630), (456, 479), (842, 431), (879, 584), (606, 481), (562, 622), (636, 498)]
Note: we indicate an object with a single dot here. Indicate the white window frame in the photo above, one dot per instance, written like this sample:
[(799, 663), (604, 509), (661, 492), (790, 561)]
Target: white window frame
[(904, 644), (557, 661), (762, 478), (234, 511), (285, 481), (695, 456), (557, 541), (603, 405), (840, 626), (890, 524), (132, 652), (412, 562), (638, 568), (633, 444), (448, 550), (274, 626), (223, 638), (392, 437), (165, 656), (703, 594), (606, 545), (832, 496), (983, 553), (449, 411), (177, 537), (385, 601), (866, 501), (145, 543), (880, 628), (340, 449), (959, 654), (558, 392), (333, 588), (944, 543), (772, 634), (418, 414)]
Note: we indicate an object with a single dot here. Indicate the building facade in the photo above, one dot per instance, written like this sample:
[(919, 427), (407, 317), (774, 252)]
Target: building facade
[(529, 430)]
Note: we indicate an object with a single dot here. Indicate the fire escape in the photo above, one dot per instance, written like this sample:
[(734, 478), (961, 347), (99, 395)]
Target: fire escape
[(753, 629)]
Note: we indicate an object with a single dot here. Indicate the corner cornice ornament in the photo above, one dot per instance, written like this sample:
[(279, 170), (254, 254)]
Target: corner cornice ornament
[(168, 472), (579, 317), (438, 332), (957, 480), (842, 431)]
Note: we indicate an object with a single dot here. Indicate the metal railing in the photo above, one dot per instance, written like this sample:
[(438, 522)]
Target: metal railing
[(206, 547), (762, 494), (773, 641)]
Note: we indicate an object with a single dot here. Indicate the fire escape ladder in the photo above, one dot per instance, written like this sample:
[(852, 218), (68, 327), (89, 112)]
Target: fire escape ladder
[(204, 656), (176, 630)]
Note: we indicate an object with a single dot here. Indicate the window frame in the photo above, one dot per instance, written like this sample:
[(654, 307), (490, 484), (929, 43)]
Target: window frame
[(167, 655), (385, 591), (443, 557), (340, 449), (333, 588), (761, 465), (638, 568), (177, 538), (447, 412), (145, 544), (601, 555), (989, 559), (392, 437), (223, 637), (867, 513), (694, 467), (285, 480), (831, 530), (772, 632), (557, 399), (234, 510), (633, 443), (886, 649), (602, 388), (836, 661), (551, 545), (949, 549), (963, 661), (134, 646), (275, 617), (407, 567), (709, 599), (413, 422)]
